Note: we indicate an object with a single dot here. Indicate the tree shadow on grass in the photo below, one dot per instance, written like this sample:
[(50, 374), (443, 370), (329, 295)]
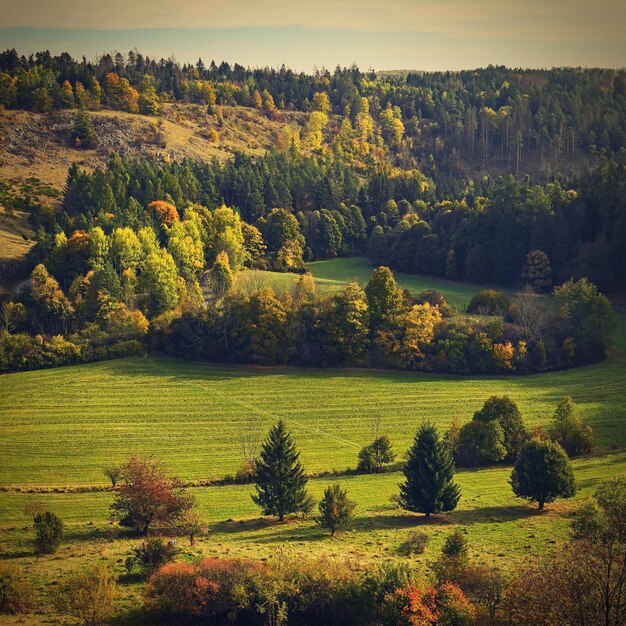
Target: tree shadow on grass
[(390, 522), (497, 514), (251, 525)]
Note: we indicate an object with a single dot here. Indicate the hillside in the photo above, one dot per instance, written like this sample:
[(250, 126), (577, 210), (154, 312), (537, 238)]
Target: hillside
[(38, 144)]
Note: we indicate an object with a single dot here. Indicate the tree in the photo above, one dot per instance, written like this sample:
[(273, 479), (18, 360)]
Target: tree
[(113, 473), (344, 323), (165, 213), (384, 298), (505, 411), (53, 308), (219, 279), (192, 525), (476, 265), (480, 443), (568, 429), (83, 134), (159, 282), (429, 471), (374, 456), (12, 314), (88, 595), (452, 269), (48, 532), (537, 271), (336, 510), (542, 473), (280, 478), (280, 228), (586, 315), (148, 496)]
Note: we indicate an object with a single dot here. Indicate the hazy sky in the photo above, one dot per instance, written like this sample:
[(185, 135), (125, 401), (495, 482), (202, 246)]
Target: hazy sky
[(383, 34)]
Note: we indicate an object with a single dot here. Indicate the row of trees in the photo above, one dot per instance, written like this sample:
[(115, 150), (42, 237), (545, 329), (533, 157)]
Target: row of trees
[(497, 433)]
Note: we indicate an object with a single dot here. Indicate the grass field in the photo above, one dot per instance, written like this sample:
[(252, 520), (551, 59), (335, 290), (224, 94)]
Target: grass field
[(333, 274), (59, 428)]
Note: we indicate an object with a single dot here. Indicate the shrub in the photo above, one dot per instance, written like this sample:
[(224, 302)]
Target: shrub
[(246, 473), (489, 302), (455, 544), (418, 605), (569, 431), (212, 587), (88, 596), (48, 532), (415, 543), (15, 593), (153, 553)]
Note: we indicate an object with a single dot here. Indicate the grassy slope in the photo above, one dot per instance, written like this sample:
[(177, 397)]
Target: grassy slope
[(332, 275)]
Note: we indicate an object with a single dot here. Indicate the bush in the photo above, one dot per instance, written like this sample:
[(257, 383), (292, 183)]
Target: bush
[(489, 302), (154, 553), (15, 593), (415, 543), (246, 473), (455, 545), (212, 587), (569, 431), (88, 596), (48, 532)]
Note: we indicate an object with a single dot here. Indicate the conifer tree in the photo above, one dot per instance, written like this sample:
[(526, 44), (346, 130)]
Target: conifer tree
[(336, 509), (281, 481), (429, 471)]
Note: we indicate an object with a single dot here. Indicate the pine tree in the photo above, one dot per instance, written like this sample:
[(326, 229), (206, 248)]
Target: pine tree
[(429, 471), (336, 509), (281, 481)]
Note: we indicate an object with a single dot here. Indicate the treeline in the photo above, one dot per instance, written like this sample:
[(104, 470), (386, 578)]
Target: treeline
[(117, 262), (484, 234), (448, 121)]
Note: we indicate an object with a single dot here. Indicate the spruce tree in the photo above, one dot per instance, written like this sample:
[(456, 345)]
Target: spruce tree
[(281, 481), (429, 471)]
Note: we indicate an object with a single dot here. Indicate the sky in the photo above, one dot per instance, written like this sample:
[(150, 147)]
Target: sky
[(381, 34)]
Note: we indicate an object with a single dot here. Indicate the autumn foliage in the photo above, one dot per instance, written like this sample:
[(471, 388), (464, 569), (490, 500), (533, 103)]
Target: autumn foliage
[(164, 212)]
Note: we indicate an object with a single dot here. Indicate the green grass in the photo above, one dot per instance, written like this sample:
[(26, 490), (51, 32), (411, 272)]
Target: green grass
[(336, 272), (332, 275), (61, 426)]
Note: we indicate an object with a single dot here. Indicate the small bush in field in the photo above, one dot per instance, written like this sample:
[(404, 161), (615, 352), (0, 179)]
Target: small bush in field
[(48, 532), (415, 543), (15, 593), (88, 596), (154, 553)]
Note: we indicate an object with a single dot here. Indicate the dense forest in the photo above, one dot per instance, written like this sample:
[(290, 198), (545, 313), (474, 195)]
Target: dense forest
[(444, 121), (381, 166)]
